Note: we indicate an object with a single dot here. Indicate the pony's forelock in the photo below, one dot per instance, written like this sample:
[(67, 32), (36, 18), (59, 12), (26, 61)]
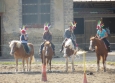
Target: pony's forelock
[(15, 41), (92, 38)]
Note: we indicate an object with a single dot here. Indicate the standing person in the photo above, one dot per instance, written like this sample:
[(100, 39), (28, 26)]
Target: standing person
[(24, 39), (47, 36), (69, 34), (102, 34)]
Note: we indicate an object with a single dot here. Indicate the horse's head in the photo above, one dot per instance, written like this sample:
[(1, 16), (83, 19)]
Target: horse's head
[(47, 46), (92, 43), (14, 45), (68, 48)]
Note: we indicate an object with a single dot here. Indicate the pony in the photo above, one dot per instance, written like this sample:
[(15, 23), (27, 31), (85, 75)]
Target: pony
[(46, 56), (101, 51), (18, 51), (69, 52)]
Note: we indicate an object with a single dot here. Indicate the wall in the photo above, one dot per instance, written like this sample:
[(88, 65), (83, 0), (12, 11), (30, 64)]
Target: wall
[(61, 16)]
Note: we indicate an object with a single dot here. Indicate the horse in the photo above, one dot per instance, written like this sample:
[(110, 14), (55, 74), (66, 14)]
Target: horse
[(18, 51), (101, 51), (47, 53), (69, 51)]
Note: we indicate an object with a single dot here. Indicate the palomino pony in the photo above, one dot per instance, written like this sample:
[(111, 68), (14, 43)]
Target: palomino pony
[(47, 54), (101, 51), (69, 52), (18, 51)]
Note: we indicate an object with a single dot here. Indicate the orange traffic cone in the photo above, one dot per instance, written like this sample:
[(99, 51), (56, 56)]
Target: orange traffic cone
[(44, 76), (85, 79)]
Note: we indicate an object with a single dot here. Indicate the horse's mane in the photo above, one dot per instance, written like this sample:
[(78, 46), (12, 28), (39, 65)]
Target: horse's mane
[(100, 42), (15, 41), (47, 43)]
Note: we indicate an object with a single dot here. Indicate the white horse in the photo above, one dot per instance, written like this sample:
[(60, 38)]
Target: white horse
[(69, 51)]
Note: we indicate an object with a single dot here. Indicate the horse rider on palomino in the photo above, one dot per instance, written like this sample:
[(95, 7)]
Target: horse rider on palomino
[(102, 34), (69, 34), (24, 39), (47, 36)]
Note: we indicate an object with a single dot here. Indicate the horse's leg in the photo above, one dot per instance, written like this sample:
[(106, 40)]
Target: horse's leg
[(30, 63), (66, 64), (16, 64), (27, 64), (104, 63), (98, 64), (47, 64), (50, 64), (23, 62), (72, 63)]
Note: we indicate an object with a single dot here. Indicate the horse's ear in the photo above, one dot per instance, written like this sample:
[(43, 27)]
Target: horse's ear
[(69, 46), (9, 42), (50, 44)]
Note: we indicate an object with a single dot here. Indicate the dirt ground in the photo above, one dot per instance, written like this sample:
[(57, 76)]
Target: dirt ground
[(8, 75)]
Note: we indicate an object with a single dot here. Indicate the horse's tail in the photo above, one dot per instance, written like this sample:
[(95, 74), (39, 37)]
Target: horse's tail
[(101, 58), (32, 59)]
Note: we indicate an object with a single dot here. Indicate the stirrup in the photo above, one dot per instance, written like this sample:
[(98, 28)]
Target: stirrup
[(61, 50)]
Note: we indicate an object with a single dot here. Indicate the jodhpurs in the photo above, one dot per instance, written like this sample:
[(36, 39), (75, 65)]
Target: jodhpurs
[(106, 42), (26, 47)]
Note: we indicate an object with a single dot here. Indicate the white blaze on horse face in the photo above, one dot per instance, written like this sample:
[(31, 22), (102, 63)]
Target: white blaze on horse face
[(46, 52), (90, 47), (11, 51)]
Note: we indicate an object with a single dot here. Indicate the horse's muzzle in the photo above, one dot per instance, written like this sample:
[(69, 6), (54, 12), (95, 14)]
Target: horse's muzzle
[(11, 53), (65, 55), (91, 48)]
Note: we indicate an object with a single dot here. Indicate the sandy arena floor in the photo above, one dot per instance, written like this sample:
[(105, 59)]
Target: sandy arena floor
[(8, 75)]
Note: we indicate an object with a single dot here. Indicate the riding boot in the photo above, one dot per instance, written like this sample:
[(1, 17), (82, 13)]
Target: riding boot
[(109, 49), (54, 53), (62, 47)]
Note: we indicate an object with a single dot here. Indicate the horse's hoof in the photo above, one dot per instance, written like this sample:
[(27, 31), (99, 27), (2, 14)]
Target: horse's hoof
[(65, 70), (29, 69), (72, 71), (16, 70), (23, 70), (104, 70)]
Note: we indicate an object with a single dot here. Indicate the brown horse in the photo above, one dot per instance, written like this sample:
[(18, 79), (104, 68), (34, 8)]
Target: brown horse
[(101, 51), (47, 54), (18, 51), (69, 52)]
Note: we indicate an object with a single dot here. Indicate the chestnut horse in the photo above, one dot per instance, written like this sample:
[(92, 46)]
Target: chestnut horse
[(101, 51), (47, 53), (18, 51), (69, 52)]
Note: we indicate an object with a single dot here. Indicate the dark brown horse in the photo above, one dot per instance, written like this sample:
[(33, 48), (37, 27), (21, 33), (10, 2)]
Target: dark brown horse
[(69, 52), (18, 51), (47, 54), (101, 51)]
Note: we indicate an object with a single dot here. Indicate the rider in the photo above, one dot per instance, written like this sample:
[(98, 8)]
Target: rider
[(24, 39), (102, 34), (69, 34), (47, 36)]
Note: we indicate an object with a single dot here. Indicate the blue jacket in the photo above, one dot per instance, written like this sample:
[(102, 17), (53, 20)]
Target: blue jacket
[(22, 39), (69, 34)]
